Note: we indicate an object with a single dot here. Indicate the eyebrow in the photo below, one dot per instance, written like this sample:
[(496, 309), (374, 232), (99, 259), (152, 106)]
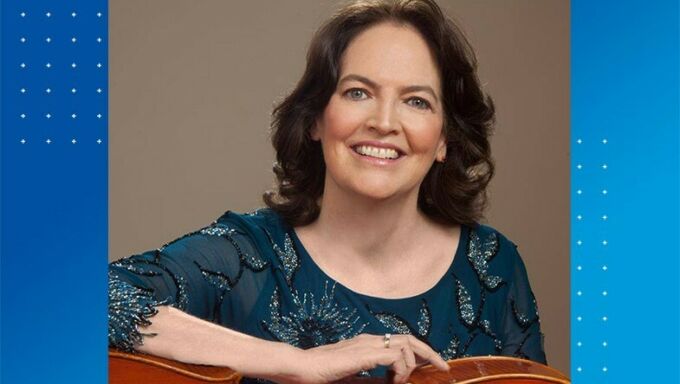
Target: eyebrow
[(373, 84)]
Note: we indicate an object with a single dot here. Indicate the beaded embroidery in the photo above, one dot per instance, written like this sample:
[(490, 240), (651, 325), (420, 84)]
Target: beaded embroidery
[(523, 320), (136, 269), (467, 313), (135, 265), (217, 279), (451, 350), (129, 307), (220, 280), (471, 319), (251, 261), (486, 328), (480, 254), (288, 257), (256, 211), (525, 323), (397, 324), (393, 323), (218, 230), (311, 323), (424, 320)]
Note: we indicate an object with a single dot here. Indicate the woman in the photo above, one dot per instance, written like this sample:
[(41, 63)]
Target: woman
[(369, 254)]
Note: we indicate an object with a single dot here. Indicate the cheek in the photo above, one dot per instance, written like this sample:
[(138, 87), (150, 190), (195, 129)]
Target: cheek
[(339, 121), (426, 136)]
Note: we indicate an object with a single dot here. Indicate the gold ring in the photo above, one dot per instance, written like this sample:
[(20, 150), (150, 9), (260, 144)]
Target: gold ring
[(386, 340)]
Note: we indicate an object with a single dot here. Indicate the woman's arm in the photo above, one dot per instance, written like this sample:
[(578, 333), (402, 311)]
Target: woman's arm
[(164, 302), (182, 337), (522, 336), (198, 273)]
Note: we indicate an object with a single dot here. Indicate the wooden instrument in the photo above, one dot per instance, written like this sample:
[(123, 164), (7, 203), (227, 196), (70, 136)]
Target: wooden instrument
[(138, 368)]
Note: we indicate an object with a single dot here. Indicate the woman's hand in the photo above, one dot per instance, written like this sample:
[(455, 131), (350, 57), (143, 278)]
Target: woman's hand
[(333, 362)]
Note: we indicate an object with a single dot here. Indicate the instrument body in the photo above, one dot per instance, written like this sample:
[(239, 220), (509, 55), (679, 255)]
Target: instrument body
[(126, 368)]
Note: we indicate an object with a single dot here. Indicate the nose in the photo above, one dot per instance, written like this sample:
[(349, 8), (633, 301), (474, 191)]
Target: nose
[(384, 118)]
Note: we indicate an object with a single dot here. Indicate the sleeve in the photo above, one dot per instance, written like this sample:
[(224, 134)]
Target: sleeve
[(522, 335), (195, 273)]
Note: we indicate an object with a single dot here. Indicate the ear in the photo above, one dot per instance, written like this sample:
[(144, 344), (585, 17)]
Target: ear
[(441, 148)]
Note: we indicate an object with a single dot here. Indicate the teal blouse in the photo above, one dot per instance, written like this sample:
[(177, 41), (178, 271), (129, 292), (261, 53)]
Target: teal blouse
[(250, 272)]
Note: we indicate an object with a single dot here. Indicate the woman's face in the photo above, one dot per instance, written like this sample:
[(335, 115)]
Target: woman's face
[(382, 128)]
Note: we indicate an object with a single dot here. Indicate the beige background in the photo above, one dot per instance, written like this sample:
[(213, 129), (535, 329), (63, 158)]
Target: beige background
[(192, 84)]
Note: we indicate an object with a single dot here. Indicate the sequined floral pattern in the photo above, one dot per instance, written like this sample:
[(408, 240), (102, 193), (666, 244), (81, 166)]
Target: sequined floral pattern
[(220, 280), (129, 307), (148, 264), (396, 324), (523, 320), (480, 253), (451, 352), (424, 320), (472, 317), (465, 309), (218, 229), (312, 323), (287, 256)]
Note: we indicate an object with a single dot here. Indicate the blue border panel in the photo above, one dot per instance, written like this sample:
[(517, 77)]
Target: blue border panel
[(54, 192), (625, 194)]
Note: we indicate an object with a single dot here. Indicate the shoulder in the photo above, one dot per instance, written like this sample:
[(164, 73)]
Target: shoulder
[(493, 237), (243, 232), (258, 223), (260, 218), (263, 227), (488, 248)]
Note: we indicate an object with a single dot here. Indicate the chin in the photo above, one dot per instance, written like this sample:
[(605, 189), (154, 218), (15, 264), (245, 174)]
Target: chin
[(378, 192)]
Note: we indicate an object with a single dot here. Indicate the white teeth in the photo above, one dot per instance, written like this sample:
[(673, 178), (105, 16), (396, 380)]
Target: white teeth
[(381, 153)]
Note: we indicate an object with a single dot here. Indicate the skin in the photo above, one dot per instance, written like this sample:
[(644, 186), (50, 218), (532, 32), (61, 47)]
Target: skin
[(373, 101), (382, 245)]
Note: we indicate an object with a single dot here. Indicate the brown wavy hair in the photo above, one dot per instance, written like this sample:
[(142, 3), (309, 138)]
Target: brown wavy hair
[(453, 191)]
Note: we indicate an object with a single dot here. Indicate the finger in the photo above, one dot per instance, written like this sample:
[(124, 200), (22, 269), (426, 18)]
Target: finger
[(424, 351), (429, 354), (391, 358), (403, 365), (409, 360), (409, 357), (401, 369)]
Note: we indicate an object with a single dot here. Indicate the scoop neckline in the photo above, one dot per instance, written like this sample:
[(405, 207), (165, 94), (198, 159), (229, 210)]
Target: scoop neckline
[(458, 254)]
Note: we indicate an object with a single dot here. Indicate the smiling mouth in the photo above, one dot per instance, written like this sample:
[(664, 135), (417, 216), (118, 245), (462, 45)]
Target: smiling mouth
[(378, 153)]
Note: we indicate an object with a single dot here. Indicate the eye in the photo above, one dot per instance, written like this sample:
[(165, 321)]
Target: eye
[(355, 94), (418, 103)]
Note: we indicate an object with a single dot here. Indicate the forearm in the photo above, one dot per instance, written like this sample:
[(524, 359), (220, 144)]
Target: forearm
[(182, 337)]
